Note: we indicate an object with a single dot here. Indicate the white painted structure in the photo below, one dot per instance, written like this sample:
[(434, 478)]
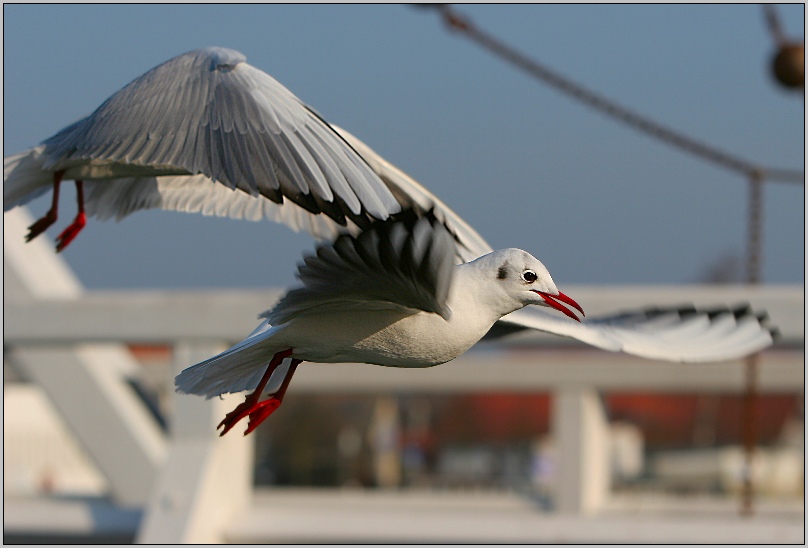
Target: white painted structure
[(194, 487)]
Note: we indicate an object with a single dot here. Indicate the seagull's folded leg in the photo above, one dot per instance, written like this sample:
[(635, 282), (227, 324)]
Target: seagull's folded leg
[(42, 224), (260, 410), (78, 223)]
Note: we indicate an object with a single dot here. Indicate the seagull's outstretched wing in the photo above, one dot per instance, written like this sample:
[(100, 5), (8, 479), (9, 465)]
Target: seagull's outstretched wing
[(198, 194), (26, 179), (209, 112), (404, 263), (682, 334), (207, 133)]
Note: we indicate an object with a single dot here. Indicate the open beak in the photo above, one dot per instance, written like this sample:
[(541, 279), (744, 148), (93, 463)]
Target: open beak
[(553, 300)]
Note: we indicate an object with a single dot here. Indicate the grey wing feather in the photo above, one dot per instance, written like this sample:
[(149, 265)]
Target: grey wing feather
[(411, 194), (209, 112), (23, 178), (403, 263), (117, 198), (683, 334)]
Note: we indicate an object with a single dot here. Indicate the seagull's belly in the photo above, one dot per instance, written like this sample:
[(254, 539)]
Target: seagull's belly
[(380, 337)]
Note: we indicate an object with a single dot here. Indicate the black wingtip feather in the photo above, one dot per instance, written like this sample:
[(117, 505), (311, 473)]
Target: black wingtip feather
[(739, 311), (685, 311), (744, 309), (762, 317)]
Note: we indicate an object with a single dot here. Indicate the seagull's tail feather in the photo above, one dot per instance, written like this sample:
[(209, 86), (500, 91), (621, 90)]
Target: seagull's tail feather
[(24, 177), (237, 369)]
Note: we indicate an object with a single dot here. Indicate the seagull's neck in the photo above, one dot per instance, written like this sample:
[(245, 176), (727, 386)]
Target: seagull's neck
[(473, 294)]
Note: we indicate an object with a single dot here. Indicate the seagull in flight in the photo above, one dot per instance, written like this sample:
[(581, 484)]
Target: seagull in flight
[(398, 278)]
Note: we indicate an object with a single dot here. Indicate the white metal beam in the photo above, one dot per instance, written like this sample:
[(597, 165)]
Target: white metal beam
[(580, 432), (87, 386), (87, 383), (545, 369), (152, 315), (207, 480), (411, 516)]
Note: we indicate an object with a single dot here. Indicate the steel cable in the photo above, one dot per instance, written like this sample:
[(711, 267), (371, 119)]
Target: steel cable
[(613, 109)]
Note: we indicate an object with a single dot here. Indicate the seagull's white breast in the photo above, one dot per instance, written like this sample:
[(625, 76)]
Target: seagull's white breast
[(382, 337), (392, 337)]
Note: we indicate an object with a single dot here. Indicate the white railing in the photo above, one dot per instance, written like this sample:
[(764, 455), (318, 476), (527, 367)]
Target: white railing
[(196, 487)]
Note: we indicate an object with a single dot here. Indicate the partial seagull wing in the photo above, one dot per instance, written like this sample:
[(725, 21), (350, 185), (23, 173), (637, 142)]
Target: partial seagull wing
[(197, 194), (411, 194), (682, 334), (208, 117), (117, 198), (209, 112), (25, 179), (405, 263)]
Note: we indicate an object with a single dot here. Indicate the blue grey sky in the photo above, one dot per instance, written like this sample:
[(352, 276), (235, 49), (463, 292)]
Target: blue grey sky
[(597, 202)]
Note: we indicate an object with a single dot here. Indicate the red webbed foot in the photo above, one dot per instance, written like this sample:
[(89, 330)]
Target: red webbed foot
[(70, 232), (263, 410), (40, 225), (243, 410), (258, 411)]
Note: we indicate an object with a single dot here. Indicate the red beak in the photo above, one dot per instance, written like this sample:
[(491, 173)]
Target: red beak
[(552, 300)]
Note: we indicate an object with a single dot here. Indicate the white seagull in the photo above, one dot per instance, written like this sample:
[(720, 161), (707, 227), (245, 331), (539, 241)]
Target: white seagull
[(400, 281)]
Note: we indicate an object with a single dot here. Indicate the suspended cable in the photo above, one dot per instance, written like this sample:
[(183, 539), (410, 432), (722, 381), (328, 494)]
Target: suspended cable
[(773, 22), (751, 401), (613, 109)]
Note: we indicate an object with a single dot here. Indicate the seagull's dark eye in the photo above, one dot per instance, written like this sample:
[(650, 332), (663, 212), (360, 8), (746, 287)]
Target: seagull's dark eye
[(529, 276)]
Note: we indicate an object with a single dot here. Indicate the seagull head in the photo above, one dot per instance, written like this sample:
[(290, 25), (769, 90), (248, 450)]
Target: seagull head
[(524, 280)]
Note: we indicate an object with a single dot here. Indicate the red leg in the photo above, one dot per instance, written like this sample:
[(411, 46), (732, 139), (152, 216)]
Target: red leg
[(267, 407), (251, 403), (78, 223), (50, 217)]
